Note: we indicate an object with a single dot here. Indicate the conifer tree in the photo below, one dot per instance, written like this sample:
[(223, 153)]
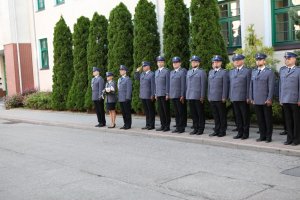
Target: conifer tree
[(63, 65), (206, 37), (96, 52), (146, 44), (176, 31), (80, 81), (120, 39)]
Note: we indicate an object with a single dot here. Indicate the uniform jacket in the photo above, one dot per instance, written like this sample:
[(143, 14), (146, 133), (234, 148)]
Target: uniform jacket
[(111, 96), (177, 83), (262, 86), (239, 84), (162, 82), (147, 84), (289, 85), (218, 85), (124, 89), (196, 84), (97, 87)]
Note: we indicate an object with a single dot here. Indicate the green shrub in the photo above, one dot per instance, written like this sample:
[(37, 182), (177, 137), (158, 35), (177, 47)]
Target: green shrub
[(13, 101), (39, 100)]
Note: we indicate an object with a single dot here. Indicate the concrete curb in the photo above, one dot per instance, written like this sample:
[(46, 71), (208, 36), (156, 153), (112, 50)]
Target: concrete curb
[(204, 139)]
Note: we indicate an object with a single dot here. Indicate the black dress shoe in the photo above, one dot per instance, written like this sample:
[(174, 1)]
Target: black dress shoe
[(237, 137), (175, 131), (160, 129), (102, 125), (146, 127), (166, 129), (222, 135), (151, 128), (181, 131), (126, 128), (112, 126), (123, 127), (294, 144), (260, 139), (174, 126), (213, 134), (283, 133), (193, 132), (98, 125), (236, 129), (244, 137), (268, 140), (199, 133), (287, 142)]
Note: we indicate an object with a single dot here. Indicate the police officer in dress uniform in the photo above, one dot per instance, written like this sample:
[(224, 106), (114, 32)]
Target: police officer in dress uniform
[(217, 95), (147, 91), (177, 93), (162, 87), (289, 97), (261, 95), (124, 96), (240, 79), (97, 87), (196, 88)]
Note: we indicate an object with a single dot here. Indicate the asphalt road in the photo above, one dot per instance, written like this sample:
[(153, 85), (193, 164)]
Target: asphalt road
[(46, 162)]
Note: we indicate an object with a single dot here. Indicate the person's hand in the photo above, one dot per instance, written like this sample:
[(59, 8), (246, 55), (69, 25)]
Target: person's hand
[(201, 100), (152, 98), (155, 97), (167, 98), (224, 100), (268, 102), (139, 69), (299, 103), (248, 101), (182, 100), (107, 89)]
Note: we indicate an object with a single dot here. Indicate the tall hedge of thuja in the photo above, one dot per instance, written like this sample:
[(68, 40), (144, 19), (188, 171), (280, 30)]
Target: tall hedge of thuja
[(120, 39), (206, 37), (146, 44), (63, 65), (96, 52), (176, 32), (79, 86)]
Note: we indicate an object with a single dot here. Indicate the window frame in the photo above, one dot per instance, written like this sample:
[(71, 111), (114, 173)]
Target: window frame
[(39, 7), (59, 2), (287, 44), (42, 51), (229, 21)]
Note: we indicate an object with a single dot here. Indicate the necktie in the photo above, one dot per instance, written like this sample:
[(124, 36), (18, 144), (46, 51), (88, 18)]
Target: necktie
[(258, 72), (193, 70), (238, 69), (289, 70), (215, 71)]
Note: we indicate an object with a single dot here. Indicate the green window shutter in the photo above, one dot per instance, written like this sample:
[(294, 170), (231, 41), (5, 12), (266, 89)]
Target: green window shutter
[(44, 53)]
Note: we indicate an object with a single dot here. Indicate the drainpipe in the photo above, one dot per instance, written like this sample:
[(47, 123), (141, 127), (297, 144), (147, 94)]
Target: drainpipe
[(36, 54), (18, 48)]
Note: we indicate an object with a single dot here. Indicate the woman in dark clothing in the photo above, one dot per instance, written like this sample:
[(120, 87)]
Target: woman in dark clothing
[(111, 98)]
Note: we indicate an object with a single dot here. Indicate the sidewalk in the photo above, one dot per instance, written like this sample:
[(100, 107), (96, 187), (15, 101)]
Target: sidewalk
[(88, 121)]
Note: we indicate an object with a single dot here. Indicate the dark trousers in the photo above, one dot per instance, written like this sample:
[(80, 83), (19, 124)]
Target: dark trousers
[(197, 112), (185, 115), (292, 119), (242, 114), (179, 113), (219, 112), (283, 118), (264, 119), (149, 111), (126, 113), (99, 108), (164, 111)]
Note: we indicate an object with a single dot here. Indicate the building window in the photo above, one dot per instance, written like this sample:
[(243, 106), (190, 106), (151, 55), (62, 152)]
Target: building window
[(44, 53), (286, 22), (58, 2), (230, 22), (41, 5)]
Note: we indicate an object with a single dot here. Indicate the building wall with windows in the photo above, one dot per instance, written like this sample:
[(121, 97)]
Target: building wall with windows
[(35, 25)]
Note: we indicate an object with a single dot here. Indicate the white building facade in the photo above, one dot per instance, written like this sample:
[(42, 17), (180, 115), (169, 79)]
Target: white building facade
[(32, 22)]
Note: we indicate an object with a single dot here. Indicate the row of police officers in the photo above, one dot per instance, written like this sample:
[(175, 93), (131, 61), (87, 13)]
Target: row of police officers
[(241, 85)]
